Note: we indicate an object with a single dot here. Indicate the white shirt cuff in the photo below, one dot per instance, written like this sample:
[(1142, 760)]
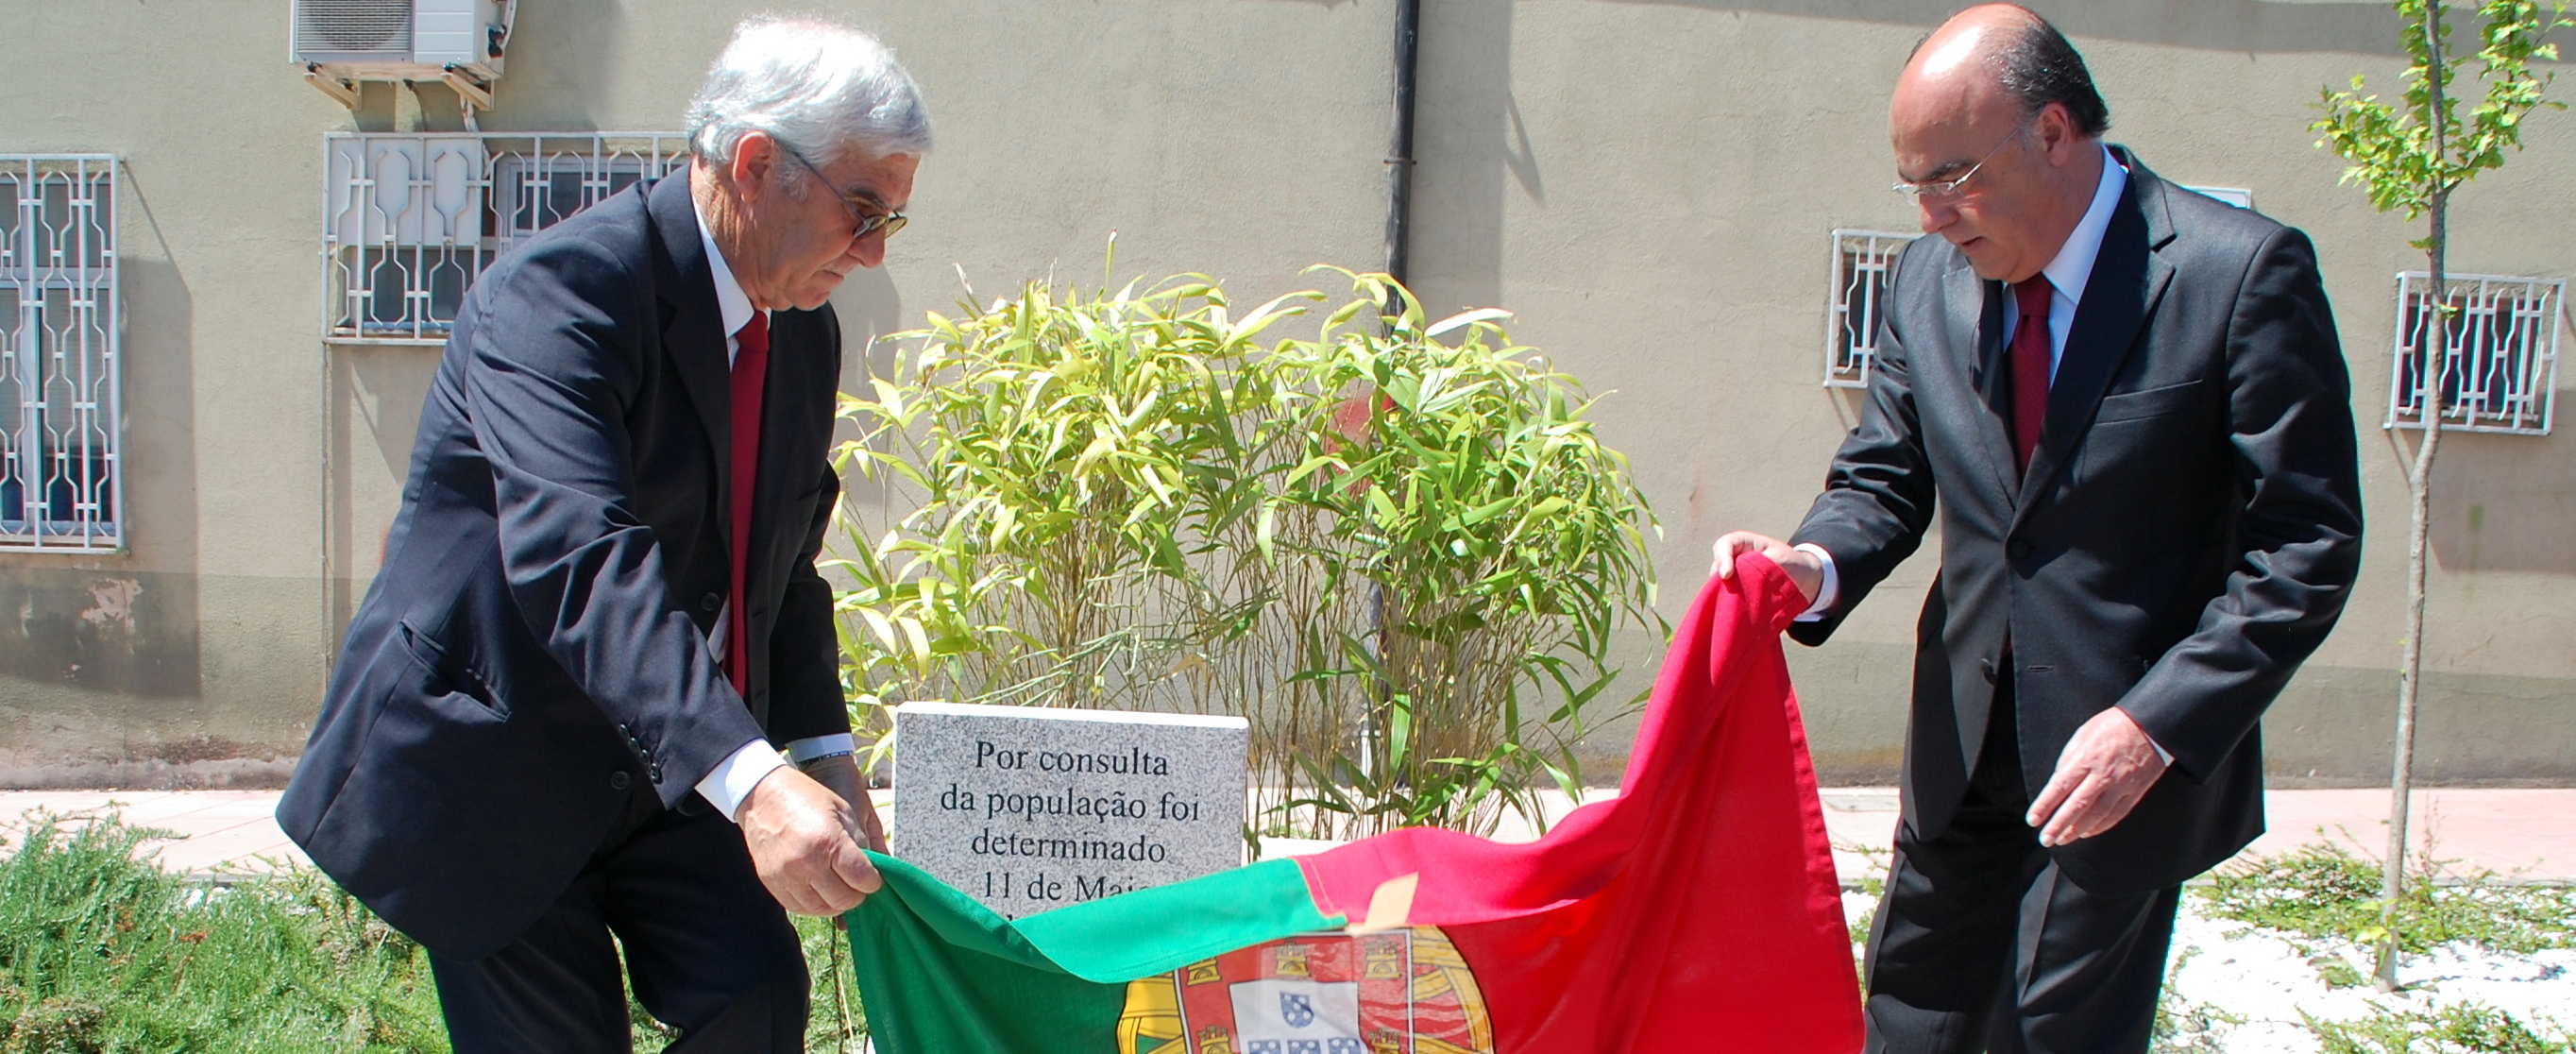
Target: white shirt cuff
[(732, 780), (811, 747), (1828, 591)]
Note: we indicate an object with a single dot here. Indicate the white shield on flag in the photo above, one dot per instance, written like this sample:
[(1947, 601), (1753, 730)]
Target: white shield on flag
[(1291, 1016)]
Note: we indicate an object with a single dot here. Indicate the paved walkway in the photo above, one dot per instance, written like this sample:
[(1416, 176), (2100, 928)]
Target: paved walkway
[(2526, 835), (2520, 835), (216, 830)]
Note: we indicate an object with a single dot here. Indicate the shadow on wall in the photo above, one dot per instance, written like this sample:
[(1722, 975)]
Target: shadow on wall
[(373, 418), (105, 630), (2334, 727), (1471, 150), (2220, 25), (869, 307), (2502, 502), (562, 54), (117, 624)]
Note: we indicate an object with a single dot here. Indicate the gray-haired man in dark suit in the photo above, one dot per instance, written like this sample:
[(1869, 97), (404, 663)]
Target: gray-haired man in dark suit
[(560, 713), (2127, 403)]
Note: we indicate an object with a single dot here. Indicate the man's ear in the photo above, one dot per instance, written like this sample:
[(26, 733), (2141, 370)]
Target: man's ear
[(754, 155), (2055, 127)]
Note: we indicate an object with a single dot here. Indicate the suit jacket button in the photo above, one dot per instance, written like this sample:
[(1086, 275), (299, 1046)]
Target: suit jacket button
[(653, 772), (618, 781), (2018, 548), (709, 603)]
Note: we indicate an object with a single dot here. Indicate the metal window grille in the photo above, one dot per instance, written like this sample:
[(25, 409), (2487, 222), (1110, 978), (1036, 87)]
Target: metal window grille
[(2499, 352), (410, 220), (61, 423), (1861, 259)]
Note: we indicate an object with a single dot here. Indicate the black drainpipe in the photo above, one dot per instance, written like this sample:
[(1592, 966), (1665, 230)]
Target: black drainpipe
[(1399, 207), (1399, 161)]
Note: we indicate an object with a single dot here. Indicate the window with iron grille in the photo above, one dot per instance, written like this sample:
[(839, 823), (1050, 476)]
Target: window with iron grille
[(410, 220), (2498, 352), (61, 423), (1861, 259)]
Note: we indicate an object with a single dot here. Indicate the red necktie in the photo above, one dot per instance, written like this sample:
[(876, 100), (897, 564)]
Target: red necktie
[(2030, 362), (750, 373)]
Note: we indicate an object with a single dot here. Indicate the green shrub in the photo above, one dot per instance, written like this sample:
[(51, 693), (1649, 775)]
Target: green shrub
[(2461, 1028), (2323, 891), (1398, 547), (101, 952)]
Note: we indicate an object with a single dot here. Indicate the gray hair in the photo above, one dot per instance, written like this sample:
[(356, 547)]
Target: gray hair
[(818, 87)]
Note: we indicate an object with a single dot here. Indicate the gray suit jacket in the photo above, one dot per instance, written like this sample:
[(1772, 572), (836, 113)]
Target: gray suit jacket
[(2186, 534)]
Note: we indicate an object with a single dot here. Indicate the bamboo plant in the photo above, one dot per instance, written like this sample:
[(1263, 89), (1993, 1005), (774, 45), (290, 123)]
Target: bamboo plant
[(1397, 547)]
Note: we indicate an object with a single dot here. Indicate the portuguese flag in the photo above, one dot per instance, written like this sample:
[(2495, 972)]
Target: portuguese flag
[(1696, 911)]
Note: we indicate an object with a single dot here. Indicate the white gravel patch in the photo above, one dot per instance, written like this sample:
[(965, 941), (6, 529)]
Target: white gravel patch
[(2259, 977), (2251, 985)]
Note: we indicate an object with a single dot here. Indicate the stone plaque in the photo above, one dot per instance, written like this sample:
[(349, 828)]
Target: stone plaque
[(1028, 809)]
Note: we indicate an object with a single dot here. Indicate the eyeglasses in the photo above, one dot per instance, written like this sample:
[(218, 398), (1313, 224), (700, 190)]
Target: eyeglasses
[(888, 221), (1941, 190)]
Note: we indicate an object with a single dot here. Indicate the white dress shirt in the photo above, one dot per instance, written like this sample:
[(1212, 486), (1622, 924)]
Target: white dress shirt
[(731, 781), (2067, 275)]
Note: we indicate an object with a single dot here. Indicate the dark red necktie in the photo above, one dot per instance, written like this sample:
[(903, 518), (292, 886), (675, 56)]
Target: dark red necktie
[(750, 373), (2030, 360)]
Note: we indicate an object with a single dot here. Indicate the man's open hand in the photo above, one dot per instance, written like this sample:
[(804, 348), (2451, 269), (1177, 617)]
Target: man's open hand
[(1804, 569), (2100, 776), (804, 844)]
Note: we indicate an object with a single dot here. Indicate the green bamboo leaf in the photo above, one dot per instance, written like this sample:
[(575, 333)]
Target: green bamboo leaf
[(1004, 519), (1399, 730), (1466, 318), (920, 642), (884, 629), (1102, 444)]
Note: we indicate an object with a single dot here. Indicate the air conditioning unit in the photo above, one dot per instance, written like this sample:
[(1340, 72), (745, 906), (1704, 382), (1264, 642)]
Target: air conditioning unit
[(459, 42)]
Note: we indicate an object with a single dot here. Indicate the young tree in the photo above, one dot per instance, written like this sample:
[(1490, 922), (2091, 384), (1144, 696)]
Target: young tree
[(2410, 156)]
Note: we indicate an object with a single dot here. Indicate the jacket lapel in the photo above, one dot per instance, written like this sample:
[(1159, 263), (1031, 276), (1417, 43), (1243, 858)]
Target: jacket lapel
[(1971, 298), (693, 326), (2127, 279)]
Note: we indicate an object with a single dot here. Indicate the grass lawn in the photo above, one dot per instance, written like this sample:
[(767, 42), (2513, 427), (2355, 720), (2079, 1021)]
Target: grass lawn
[(102, 953)]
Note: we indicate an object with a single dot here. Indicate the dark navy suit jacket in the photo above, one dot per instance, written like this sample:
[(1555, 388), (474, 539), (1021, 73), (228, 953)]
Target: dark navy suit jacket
[(2184, 537), (536, 643)]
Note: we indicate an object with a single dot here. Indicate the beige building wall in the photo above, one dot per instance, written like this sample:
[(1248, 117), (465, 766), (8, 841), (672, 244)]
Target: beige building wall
[(1649, 185)]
